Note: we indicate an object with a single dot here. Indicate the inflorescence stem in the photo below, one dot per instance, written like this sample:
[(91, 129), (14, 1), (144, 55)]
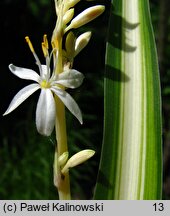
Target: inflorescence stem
[(63, 182)]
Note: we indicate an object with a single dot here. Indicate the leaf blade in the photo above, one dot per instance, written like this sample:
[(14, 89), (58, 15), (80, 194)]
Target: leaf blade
[(131, 158)]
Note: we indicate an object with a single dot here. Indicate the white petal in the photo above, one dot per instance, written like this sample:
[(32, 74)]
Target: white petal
[(69, 102), (21, 96), (24, 73), (70, 79), (45, 112)]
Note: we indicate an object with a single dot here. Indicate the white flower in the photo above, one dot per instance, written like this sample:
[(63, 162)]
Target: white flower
[(49, 84)]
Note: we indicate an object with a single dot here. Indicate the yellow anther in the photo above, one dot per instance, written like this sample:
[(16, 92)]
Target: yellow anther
[(29, 44), (45, 40), (44, 49)]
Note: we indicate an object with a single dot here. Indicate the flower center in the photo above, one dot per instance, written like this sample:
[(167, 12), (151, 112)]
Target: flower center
[(45, 84)]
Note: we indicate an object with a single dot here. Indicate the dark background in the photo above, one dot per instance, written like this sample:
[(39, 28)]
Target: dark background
[(26, 158)]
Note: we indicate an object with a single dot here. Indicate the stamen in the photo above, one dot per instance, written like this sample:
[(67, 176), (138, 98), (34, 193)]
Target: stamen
[(45, 46), (44, 49), (34, 54), (29, 44), (45, 40)]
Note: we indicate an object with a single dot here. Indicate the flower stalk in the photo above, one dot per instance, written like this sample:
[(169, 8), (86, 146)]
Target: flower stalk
[(65, 14), (63, 183), (61, 147)]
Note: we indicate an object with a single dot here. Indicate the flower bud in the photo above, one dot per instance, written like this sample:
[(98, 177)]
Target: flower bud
[(70, 44), (63, 159), (86, 16), (69, 4), (81, 42), (68, 16), (77, 159)]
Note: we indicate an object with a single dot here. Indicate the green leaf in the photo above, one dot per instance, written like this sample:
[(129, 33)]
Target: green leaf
[(131, 159)]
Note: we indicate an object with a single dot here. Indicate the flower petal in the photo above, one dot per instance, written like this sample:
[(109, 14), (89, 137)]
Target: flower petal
[(69, 102), (45, 112), (70, 79), (24, 73), (21, 96)]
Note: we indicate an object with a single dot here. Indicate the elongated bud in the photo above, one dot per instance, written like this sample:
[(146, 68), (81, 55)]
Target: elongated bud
[(86, 16), (56, 170), (58, 163), (77, 159), (69, 4), (63, 159), (81, 42), (70, 44), (68, 16)]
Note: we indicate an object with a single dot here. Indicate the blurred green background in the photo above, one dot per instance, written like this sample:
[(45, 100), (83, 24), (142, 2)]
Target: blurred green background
[(26, 158)]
